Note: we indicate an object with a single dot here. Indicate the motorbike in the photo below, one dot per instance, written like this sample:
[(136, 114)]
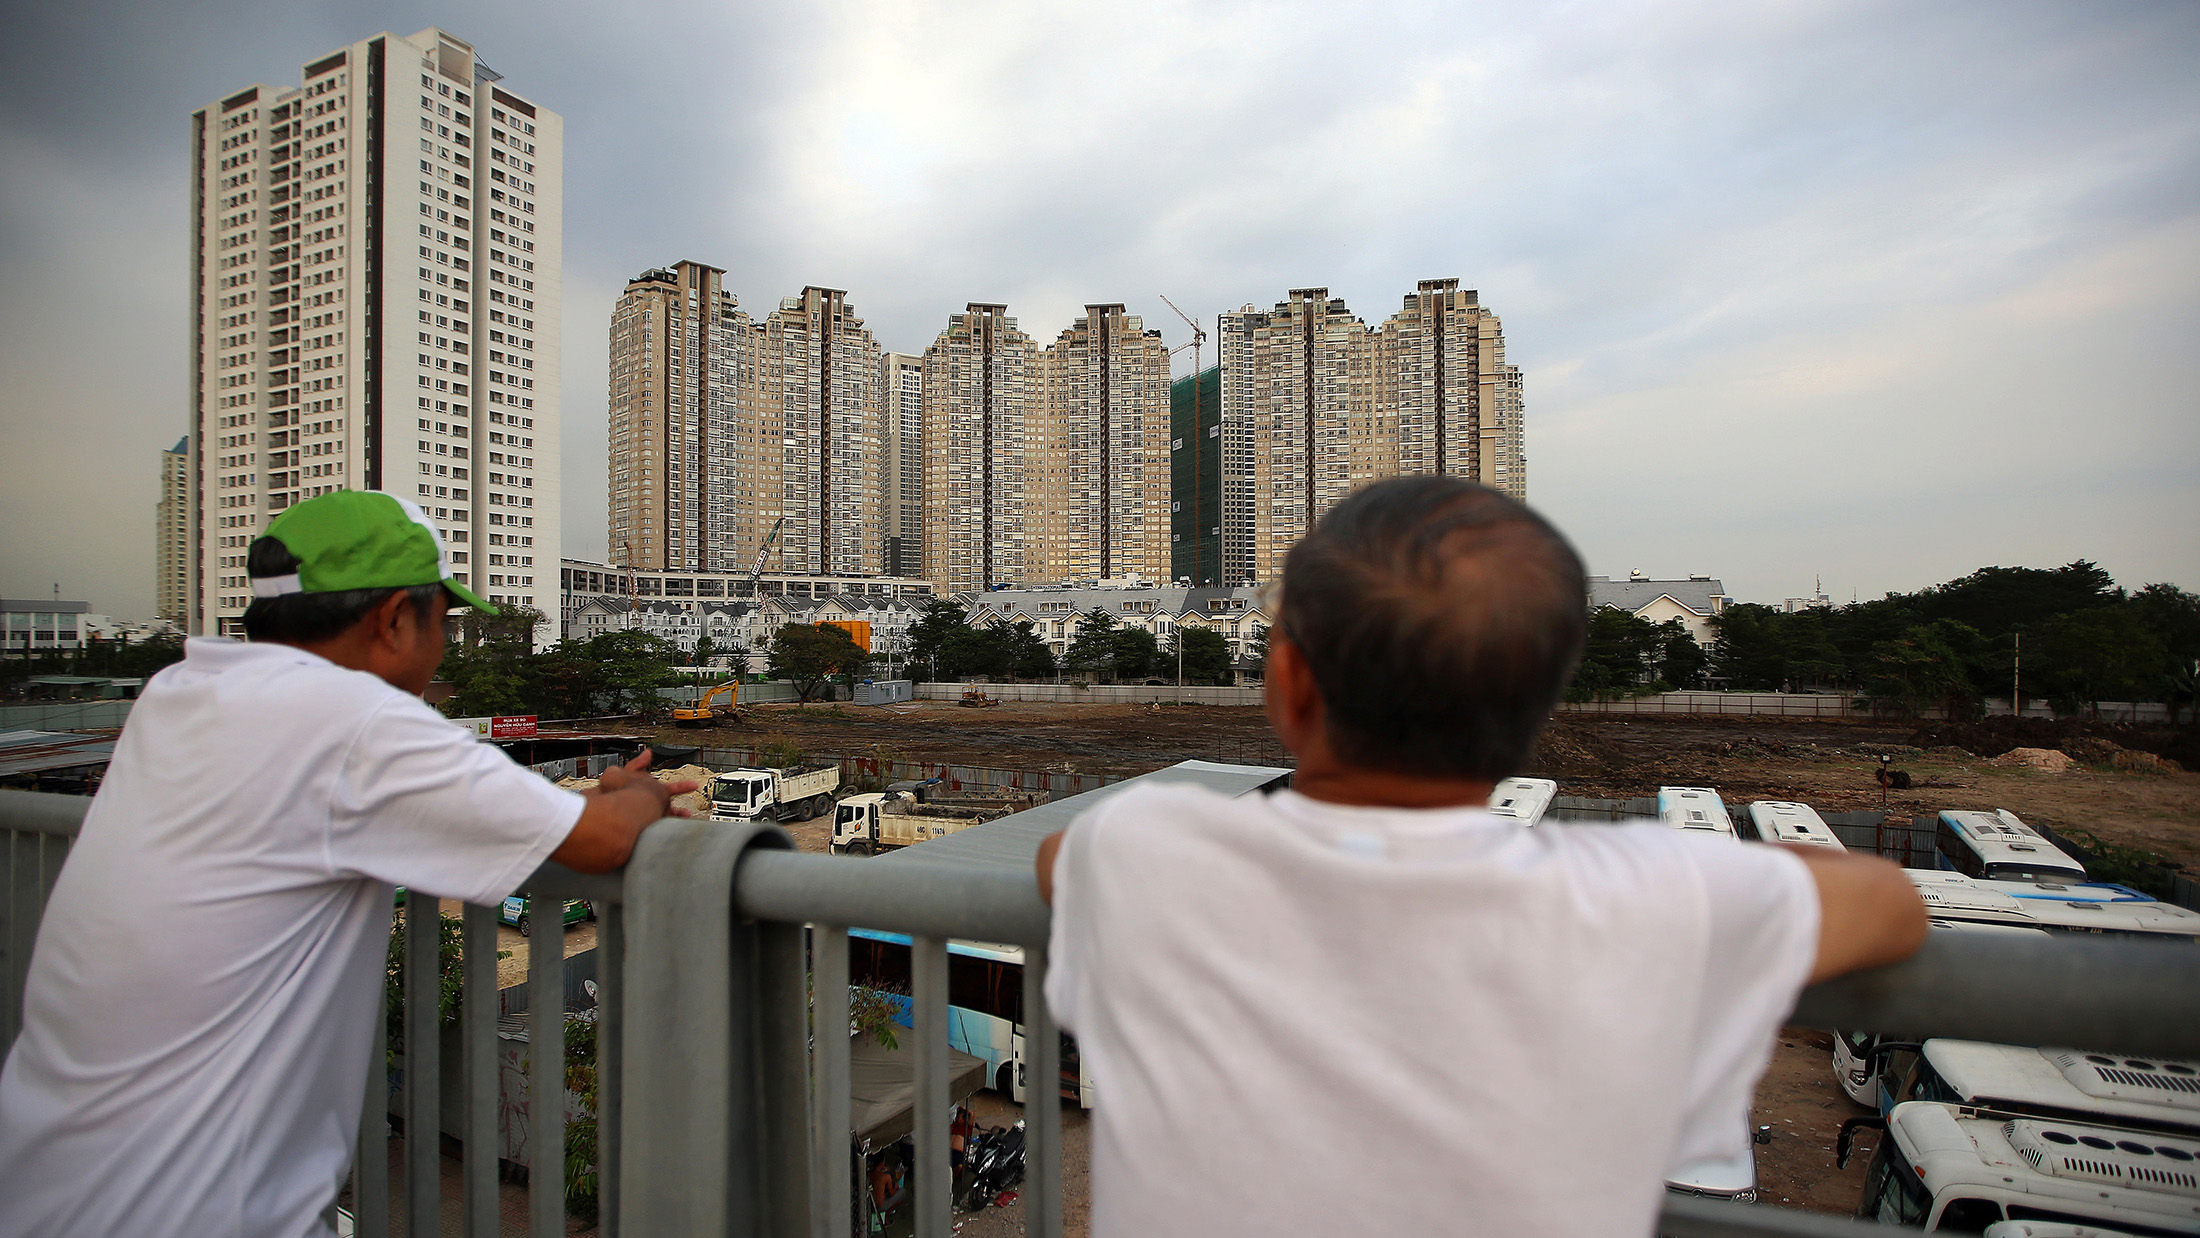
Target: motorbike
[(993, 1161)]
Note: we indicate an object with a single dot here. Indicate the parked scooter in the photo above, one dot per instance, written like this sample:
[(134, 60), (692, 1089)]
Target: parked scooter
[(993, 1161)]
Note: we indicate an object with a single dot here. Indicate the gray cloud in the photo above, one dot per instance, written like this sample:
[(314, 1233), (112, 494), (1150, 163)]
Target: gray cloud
[(1883, 292)]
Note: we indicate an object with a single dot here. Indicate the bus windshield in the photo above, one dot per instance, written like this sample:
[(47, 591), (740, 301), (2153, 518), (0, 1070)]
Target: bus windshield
[(1892, 1193), (2034, 872)]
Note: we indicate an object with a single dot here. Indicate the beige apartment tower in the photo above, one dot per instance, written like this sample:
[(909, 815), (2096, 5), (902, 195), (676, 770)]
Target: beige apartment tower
[(1316, 404), (172, 535), (376, 268), (822, 410), (1100, 459), (981, 395)]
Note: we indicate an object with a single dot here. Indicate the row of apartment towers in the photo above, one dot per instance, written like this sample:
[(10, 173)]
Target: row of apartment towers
[(990, 461)]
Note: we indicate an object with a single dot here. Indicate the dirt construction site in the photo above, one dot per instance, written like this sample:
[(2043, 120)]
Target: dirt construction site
[(2109, 782)]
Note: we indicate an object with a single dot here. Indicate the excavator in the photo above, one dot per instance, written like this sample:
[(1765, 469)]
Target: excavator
[(703, 712)]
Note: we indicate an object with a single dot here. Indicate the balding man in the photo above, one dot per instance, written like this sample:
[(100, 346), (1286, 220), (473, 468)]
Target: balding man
[(1366, 1005)]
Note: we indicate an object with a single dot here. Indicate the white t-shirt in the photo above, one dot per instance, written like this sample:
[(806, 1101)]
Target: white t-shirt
[(200, 1004), (1311, 1019)]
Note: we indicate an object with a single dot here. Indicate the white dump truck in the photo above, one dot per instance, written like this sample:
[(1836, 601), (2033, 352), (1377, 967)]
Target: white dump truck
[(781, 794), (908, 813)]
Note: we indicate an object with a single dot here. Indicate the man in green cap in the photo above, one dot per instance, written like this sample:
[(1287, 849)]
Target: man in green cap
[(198, 1011)]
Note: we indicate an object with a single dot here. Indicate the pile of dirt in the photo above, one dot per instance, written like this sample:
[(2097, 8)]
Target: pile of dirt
[(2046, 760), (2083, 738), (2093, 749), (2129, 762), (1949, 752), (696, 801), (1558, 754)]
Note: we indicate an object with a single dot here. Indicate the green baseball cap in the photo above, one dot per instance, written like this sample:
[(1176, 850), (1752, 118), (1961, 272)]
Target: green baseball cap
[(361, 539)]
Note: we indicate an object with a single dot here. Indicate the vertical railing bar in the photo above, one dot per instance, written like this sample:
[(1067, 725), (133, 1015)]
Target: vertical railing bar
[(52, 850), (370, 1166), (930, 1179), (25, 909), (1042, 1101), (11, 980), (546, 1067), (478, 1037), (832, 1181), (783, 1052), (610, 1039), (423, 1063)]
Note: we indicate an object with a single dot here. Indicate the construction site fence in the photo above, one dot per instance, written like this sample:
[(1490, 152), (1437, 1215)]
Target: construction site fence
[(1849, 706), (1093, 694), (862, 769)]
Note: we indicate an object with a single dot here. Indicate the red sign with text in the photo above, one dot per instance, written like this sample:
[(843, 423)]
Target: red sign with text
[(514, 726)]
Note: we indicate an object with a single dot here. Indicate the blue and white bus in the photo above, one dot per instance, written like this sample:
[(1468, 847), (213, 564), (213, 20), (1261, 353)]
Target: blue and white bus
[(1695, 809), (985, 1006)]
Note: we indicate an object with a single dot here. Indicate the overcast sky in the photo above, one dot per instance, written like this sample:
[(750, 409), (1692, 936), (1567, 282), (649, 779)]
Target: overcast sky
[(1875, 292)]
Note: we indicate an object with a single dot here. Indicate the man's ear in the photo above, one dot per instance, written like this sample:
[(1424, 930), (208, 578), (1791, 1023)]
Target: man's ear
[(388, 619), (1294, 700)]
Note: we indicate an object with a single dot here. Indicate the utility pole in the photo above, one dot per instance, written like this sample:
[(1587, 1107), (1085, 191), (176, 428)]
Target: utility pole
[(2016, 677)]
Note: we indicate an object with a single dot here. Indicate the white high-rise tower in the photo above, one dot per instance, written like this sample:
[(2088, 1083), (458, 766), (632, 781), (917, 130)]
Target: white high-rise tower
[(377, 265)]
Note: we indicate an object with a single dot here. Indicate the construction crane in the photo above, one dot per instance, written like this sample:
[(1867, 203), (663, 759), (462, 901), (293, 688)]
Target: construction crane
[(1194, 439), (703, 711)]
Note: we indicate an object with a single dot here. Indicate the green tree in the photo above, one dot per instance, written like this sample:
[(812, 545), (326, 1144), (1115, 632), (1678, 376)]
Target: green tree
[(1206, 656), (627, 669), (1681, 660), (704, 650), (1092, 650), (1131, 652), (492, 665), (1749, 648), (939, 624), (2102, 653), (1934, 664), (805, 654), (1256, 652), (1618, 658)]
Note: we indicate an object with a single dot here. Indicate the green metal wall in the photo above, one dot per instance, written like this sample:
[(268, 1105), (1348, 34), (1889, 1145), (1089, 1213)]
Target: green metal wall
[(1195, 479)]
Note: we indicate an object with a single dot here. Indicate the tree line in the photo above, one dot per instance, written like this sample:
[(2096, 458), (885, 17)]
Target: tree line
[(2071, 633), (948, 646)]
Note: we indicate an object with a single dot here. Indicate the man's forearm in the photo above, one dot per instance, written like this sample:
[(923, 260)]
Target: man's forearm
[(610, 824)]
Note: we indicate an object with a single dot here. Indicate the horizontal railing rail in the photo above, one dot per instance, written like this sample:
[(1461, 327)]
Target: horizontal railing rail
[(719, 948)]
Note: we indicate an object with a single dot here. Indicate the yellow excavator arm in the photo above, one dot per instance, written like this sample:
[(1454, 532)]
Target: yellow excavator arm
[(702, 710)]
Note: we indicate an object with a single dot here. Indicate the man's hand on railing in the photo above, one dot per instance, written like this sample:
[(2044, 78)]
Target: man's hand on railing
[(623, 803)]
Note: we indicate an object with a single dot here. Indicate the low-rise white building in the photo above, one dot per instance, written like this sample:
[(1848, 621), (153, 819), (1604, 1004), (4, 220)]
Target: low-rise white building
[(1693, 601), (1056, 614)]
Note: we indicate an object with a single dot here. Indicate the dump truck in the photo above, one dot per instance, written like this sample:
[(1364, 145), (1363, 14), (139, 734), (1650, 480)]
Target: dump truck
[(907, 813), (782, 794)]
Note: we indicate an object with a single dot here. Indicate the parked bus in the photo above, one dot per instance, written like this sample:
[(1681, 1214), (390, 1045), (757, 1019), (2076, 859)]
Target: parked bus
[(1523, 799), (1694, 808), (1950, 1168), (2087, 907), (1852, 1051), (1784, 821), (1997, 846), (2136, 1093), (985, 1005)]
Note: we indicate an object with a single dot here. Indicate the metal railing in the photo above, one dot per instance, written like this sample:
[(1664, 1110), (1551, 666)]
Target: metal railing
[(722, 1115)]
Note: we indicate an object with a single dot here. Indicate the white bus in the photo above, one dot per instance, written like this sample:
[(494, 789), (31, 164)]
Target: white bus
[(1997, 846), (1784, 821), (1852, 1051), (2087, 907), (985, 1006), (1949, 1168), (1523, 799), (1696, 809), (2137, 1093), (1734, 1179)]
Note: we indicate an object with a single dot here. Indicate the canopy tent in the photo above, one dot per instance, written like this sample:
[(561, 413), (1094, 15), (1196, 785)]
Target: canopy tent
[(883, 1089)]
